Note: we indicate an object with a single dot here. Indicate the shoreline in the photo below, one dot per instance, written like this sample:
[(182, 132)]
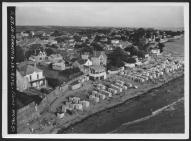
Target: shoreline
[(153, 114), (116, 104)]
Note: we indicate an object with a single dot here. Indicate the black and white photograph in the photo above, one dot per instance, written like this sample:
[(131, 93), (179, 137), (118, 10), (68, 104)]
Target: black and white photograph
[(95, 70)]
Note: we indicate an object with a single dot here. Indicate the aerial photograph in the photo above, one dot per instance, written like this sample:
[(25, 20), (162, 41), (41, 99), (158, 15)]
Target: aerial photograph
[(97, 68)]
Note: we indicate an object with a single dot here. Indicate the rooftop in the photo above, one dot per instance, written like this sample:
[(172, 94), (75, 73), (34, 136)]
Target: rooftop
[(26, 69), (98, 68)]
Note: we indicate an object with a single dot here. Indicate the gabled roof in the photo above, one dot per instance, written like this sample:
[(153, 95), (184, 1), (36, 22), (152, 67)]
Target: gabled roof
[(81, 61), (28, 69), (55, 55), (98, 54), (98, 68)]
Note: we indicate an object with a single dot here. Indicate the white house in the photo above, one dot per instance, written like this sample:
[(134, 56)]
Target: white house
[(88, 63), (155, 51), (115, 41), (97, 72), (59, 65), (38, 58), (34, 76)]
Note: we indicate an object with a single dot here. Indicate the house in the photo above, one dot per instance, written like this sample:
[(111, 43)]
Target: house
[(39, 58), (84, 38), (130, 65), (32, 33), (85, 55), (97, 72), (83, 65), (21, 82), (60, 65), (99, 58), (24, 34), (34, 76), (55, 58), (115, 41), (155, 51)]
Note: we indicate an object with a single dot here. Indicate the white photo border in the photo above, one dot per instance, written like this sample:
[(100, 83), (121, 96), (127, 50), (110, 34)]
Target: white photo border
[(93, 136)]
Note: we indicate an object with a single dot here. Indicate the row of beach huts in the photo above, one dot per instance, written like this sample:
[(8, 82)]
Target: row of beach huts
[(73, 103), (156, 71), (101, 92)]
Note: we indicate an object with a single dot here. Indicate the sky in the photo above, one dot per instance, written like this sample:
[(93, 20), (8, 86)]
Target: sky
[(101, 14)]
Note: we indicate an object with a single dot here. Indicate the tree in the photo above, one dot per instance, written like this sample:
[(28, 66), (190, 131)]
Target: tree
[(36, 46), (161, 46), (116, 58), (53, 82), (28, 53), (19, 54), (131, 60), (141, 54), (49, 51), (98, 47)]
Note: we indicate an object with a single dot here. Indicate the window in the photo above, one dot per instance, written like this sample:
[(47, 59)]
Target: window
[(37, 76), (30, 77)]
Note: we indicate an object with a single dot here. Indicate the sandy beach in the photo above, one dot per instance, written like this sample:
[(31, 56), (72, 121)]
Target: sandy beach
[(108, 120)]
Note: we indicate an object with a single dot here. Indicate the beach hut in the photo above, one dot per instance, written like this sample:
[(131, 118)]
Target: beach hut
[(85, 104), (106, 93), (64, 108), (121, 82), (113, 91), (118, 84), (86, 78), (91, 97), (124, 87), (96, 99), (116, 87), (94, 92), (101, 86), (129, 85), (78, 107), (60, 115), (74, 99), (71, 106), (102, 96)]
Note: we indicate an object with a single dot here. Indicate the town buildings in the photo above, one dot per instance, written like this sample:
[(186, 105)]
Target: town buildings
[(42, 56), (32, 76), (60, 65), (54, 58), (99, 58), (97, 72)]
